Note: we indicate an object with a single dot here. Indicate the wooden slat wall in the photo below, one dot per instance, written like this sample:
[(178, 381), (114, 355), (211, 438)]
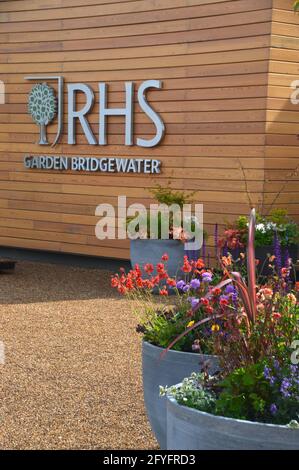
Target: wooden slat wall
[(213, 57), (282, 149)]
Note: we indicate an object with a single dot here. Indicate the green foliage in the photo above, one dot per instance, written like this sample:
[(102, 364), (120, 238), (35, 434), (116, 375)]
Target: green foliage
[(161, 330), (266, 226), (245, 394), (169, 196), (192, 394), (296, 5)]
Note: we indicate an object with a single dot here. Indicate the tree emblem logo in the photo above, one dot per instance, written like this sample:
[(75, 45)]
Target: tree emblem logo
[(42, 106)]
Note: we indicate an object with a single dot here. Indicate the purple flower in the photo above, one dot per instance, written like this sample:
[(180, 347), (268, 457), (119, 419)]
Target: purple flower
[(230, 289), (273, 409), (180, 285), (267, 373), (284, 388), (194, 302), (277, 253), (225, 250), (276, 364), (206, 277), (195, 284), (186, 288)]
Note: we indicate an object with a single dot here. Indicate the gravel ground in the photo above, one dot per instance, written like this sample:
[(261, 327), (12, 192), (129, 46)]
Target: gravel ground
[(72, 375)]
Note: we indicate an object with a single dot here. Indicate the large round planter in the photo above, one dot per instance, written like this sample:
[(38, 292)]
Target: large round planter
[(169, 370), (189, 429), (151, 251)]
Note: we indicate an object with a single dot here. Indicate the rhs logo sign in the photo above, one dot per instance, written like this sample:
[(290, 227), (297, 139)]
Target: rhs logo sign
[(43, 107)]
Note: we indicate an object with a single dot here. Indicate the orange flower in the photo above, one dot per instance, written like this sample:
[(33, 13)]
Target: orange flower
[(171, 282), (226, 260), (297, 286), (199, 263)]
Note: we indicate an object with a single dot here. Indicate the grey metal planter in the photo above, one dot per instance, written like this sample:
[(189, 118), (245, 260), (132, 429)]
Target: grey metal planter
[(150, 251), (170, 370), (189, 429)]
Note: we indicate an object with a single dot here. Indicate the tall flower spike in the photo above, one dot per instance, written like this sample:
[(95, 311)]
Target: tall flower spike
[(251, 266)]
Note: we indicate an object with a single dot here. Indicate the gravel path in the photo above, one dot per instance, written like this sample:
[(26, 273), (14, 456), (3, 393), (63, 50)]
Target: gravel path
[(72, 376)]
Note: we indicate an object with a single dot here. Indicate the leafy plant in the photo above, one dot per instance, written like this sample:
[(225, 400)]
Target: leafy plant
[(162, 223), (170, 196), (296, 5), (267, 227), (192, 393)]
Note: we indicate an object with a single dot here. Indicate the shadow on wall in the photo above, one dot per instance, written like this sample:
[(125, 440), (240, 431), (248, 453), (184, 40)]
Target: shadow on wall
[(34, 282)]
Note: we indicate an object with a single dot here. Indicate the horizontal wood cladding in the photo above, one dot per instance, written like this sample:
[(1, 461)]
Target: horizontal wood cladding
[(281, 188), (231, 132)]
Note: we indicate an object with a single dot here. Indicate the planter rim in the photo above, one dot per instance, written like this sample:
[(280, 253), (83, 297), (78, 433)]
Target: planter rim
[(226, 419), (153, 348)]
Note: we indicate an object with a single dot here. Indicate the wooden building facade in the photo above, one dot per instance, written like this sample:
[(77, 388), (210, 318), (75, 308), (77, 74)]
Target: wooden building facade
[(231, 129)]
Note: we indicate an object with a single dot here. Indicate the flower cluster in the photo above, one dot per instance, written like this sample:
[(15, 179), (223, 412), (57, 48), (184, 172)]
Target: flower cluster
[(284, 390), (134, 281)]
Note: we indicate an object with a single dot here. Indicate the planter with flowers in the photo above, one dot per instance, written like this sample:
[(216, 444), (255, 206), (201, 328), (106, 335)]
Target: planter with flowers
[(253, 403), (276, 240), (147, 246), (162, 319)]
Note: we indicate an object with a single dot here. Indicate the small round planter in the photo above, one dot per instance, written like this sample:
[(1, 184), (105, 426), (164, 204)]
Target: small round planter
[(169, 370), (189, 429), (151, 251)]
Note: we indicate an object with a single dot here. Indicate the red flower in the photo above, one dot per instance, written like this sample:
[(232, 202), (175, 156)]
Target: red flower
[(209, 309), (216, 291), (114, 282), (223, 302), (204, 301), (148, 268), (187, 267), (171, 282), (276, 315), (165, 257), (122, 290), (164, 292)]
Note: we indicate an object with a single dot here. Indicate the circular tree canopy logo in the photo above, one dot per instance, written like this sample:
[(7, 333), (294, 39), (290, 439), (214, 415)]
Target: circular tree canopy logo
[(42, 106)]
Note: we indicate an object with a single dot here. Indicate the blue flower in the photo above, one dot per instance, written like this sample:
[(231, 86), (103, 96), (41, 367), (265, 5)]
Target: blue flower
[(186, 288), (273, 409)]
